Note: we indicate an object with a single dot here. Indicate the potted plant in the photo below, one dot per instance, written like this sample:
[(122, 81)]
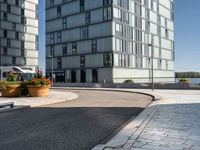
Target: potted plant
[(128, 81), (10, 87), (183, 80), (38, 86)]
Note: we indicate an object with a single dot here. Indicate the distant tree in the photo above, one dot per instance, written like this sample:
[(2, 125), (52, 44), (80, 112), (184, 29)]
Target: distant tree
[(187, 74)]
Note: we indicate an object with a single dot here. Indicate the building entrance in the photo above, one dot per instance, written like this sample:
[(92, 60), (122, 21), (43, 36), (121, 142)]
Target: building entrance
[(83, 76), (73, 76), (94, 75)]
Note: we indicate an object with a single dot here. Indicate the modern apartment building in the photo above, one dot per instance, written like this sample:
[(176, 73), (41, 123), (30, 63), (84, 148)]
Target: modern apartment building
[(110, 40), (19, 33)]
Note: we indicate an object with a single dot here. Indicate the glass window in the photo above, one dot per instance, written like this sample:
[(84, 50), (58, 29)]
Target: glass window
[(117, 14), (23, 20), (118, 43), (74, 48), (126, 17), (138, 62), (64, 23), (5, 33), (167, 64), (108, 59), (17, 2), (84, 33), (94, 46), (59, 37), (22, 52), (52, 40), (159, 63), (147, 16), (125, 4), (65, 49), (8, 8), (128, 61), (146, 3), (124, 49), (171, 5), (22, 11), (25, 28), (146, 50), (107, 13), (130, 47), (107, 2), (59, 11), (117, 2), (82, 61), (22, 44), (152, 4), (166, 34), (82, 5), (52, 51), (5, 16), (87, 18), (130, 33), (8, 42), (51, 3), (14, 60), (17, 35), (5, 51), (118, 29), (59, 63), (138, 9), (4, 74)]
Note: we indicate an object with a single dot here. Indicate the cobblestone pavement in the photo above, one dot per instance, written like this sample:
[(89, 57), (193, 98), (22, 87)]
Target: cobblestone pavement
[(172, 123)]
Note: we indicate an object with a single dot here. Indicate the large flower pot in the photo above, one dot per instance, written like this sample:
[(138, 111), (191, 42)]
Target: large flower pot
[(38, 91), (11, 91)]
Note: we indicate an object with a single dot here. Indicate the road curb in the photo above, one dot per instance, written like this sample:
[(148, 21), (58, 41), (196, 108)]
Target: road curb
[(134, 128), (53, 98), (16, 108), (131, 131), (153, 96)]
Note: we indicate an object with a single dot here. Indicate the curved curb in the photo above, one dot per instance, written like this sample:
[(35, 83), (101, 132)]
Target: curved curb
[(131, 131), (54, 97), (152, 95), (127, 136)]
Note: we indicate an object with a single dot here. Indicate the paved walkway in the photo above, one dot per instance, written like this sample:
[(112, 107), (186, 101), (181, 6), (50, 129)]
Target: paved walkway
[(54, 97), (71, 125), (172, 123)]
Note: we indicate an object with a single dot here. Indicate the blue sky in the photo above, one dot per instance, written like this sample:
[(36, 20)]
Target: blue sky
[(187, 35)]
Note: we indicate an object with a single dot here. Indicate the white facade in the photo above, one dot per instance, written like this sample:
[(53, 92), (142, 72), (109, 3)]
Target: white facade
[(109, 40), (19, 33)]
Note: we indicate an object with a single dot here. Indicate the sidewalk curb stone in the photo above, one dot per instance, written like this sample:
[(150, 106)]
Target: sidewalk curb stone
[(129, 134)]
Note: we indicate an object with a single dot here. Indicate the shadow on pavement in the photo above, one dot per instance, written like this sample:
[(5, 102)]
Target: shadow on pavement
[(61, 128)]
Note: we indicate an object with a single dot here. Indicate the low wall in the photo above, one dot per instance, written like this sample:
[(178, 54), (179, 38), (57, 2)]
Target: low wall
[(132, 85)]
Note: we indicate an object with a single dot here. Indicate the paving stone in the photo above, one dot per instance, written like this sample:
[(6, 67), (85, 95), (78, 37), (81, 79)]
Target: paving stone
[(175, 124)]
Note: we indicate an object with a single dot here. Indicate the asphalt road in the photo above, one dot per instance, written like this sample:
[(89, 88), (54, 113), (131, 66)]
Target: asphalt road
[(76, 125)]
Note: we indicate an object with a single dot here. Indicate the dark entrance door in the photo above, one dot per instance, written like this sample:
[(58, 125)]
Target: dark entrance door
[(73, 76), (94, 75), (60, 77), (83, 76)]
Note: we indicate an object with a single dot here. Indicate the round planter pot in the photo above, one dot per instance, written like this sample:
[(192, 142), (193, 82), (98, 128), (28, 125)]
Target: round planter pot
[(38, 91), (11, 91)]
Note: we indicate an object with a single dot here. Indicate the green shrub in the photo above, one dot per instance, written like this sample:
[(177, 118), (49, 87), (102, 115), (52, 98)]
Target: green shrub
[(24, 89), (128, 81), (183, 80)]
